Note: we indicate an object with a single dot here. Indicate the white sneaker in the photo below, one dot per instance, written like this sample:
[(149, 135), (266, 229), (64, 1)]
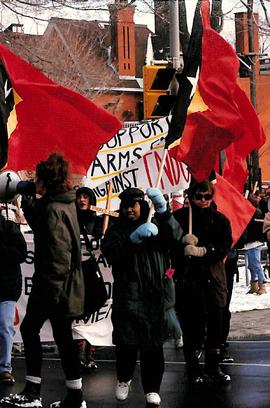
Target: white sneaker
[(122, 390), (153, 398), (179, 343), (57, 404), (21, 400)]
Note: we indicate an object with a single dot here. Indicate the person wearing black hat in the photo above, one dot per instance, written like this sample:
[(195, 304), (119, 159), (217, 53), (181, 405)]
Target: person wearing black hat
[(138, 252), (88, 219), (201, 288), (91, 224)]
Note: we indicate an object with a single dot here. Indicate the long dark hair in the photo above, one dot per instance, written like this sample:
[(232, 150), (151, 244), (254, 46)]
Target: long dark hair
[(54, 173)]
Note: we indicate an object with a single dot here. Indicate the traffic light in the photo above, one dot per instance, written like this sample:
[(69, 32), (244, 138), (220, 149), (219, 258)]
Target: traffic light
[(157, 101)]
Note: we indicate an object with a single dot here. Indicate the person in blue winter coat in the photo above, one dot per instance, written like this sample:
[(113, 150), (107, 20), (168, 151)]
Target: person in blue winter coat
[(138, 252)]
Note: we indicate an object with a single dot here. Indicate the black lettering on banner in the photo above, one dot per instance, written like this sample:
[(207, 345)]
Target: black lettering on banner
[(124, 160), (118, 184), (122, 180), (100, 191), (132, 130), (29, 258), (110, 163), (156, 127), (27, 285), (145, 130), (97, 164), (126, 177), (137, 153)]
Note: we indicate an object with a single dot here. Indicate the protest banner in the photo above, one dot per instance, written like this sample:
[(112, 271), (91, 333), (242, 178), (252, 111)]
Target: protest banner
[(143, 174), (98, 330), (132, 158)]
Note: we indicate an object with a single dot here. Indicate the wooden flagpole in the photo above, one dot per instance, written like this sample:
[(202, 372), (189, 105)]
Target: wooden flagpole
[(108, 205), (162, 164), (189, 219)]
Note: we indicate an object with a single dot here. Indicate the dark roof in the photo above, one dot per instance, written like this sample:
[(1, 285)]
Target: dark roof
[(76, 53)]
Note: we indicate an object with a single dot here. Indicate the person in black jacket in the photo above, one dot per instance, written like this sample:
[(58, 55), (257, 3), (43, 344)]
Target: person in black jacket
[(13, 252), (138, 252), (58, 291), (92, 224), (201, 288)]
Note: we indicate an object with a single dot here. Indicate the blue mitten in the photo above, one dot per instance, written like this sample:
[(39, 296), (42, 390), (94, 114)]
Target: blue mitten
[(157, 199), (143, 231)]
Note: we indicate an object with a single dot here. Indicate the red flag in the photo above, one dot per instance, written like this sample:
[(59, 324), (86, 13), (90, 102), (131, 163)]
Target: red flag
[(233, 205), (235, 170), (51, 118), (222, 121)]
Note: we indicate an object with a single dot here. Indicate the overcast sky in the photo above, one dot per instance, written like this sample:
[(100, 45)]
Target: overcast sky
[(143, 15)]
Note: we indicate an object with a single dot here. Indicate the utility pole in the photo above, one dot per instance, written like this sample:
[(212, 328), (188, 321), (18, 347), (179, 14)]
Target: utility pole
[(174, 42), (254, 169)]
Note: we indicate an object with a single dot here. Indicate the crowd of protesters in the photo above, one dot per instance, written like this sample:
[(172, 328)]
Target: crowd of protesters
[(149, 300)]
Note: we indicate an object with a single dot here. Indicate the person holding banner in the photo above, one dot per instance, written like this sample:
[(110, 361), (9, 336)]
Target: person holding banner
[(138, 252), (13, 252), (57, 286), (201, 288)]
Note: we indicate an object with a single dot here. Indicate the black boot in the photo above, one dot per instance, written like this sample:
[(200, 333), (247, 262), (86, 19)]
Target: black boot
[(74, 399), (212, 368), (194, 372)]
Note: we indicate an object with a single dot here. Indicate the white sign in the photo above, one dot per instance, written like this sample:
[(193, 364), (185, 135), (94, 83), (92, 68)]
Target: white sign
[(143, 174), (98, 331)]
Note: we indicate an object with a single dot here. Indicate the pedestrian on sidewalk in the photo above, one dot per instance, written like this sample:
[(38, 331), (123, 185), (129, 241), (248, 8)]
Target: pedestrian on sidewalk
[(254, 241), (139, 254), (57, 286), (13, 252)]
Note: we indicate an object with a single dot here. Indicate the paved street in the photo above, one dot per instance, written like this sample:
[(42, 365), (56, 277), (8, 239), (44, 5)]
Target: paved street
[(250, 374)]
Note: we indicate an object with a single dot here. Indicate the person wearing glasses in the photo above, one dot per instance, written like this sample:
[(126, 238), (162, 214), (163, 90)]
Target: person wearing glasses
[(201, 288)]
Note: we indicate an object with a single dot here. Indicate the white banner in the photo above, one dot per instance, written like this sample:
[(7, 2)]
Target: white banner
[(98, 331), (132, 159), (125, 148), (143, 174)]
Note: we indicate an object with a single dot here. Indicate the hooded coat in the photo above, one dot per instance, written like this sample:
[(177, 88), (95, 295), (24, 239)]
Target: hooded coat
[(140, 290), (58, 278)]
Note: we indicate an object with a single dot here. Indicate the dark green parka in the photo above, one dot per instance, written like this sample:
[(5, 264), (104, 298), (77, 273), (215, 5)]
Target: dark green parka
[(57, 278), (139, 288)]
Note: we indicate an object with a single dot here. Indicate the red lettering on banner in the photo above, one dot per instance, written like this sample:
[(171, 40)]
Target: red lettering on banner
[(167, 169), (147, 168)]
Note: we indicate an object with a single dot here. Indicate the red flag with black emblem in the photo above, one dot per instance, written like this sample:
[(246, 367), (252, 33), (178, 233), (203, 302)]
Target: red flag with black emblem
[(50, 117)]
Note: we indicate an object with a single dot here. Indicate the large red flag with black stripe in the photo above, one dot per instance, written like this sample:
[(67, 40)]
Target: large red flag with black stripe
[(50, 117), (222, 118)]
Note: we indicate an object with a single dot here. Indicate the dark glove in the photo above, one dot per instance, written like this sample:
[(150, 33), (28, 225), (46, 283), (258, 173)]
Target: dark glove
[(190, 239), (157, 199), (192, 250), (143, 231), (268, 235)]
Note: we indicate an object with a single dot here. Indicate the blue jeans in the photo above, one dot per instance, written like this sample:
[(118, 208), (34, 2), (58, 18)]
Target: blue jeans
[(254, 265), (7, 333)]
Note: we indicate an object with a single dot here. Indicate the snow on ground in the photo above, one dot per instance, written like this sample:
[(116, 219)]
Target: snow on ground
[(241, 301)]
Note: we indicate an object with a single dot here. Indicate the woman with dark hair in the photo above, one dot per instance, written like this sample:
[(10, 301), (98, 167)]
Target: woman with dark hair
[(201, 289), (138, 252), (58, 287)]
